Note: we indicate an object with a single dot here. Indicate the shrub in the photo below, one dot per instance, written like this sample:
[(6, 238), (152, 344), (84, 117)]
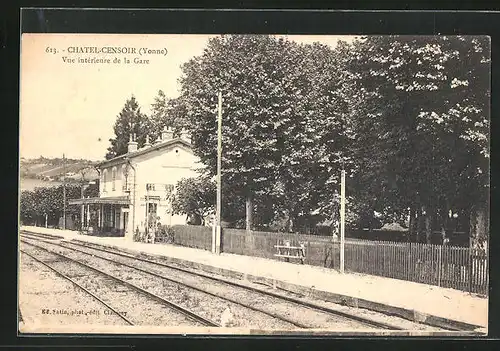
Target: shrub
[(137, 235), (164, 234)]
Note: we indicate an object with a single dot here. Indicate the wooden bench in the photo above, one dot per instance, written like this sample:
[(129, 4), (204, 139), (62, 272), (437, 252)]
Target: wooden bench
[(287, 251)]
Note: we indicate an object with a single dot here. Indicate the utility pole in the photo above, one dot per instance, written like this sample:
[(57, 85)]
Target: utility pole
[(342, 200), (219, 166), (342, 219), (64, 192), (82, 213)]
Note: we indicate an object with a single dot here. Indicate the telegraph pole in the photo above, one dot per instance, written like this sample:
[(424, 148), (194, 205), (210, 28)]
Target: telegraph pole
[(342, 219), (64, 192), (219, 167), (82, 213), (342, 199)]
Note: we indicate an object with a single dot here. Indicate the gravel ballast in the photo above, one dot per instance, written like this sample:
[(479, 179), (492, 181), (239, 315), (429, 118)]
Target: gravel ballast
[(45, 298), (200, 303), (283, 308), (136, 307), (336, 323), (212, 307)]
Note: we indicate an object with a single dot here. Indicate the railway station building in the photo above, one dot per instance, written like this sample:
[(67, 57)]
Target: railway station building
[(136, 189)]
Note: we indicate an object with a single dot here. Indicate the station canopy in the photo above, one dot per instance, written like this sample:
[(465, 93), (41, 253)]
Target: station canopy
[(118, 200)]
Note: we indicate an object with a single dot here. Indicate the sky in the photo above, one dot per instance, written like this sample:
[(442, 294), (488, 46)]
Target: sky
[(70, 108)]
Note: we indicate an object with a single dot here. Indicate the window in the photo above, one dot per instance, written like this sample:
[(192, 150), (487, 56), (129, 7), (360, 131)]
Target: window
[(169, 192), (151, 215), (113, 178), (104, 180), (117, 219), (152, 208), (106, 216), (124, 177)]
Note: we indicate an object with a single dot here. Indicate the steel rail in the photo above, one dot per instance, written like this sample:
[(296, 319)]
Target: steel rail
[(40, 238), (191, 315), (309, 305), (40, 235), (59, 273), (274, 315)]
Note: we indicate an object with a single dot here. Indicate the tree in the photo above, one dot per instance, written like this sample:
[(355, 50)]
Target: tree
[(247, 69), (312, 160), (29, 211), (166, 112), (48, 201), (194, 197), (129, 121), (422, 142), (275, 109)]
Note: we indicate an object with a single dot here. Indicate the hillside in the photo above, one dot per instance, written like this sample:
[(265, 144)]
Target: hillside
[(44, 172)]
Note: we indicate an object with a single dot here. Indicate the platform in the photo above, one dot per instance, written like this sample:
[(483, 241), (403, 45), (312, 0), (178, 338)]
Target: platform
[(440, 306)]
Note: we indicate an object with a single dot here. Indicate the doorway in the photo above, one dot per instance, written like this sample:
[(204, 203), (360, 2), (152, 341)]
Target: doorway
[(125, 223)]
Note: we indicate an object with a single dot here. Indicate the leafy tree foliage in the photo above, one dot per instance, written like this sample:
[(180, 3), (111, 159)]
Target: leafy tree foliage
[(194, 197), (406, 117), (422, 131), (280, 100), (130, 120), (34, 205), (166, 112)]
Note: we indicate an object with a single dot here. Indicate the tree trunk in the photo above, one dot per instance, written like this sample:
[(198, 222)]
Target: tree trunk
[(411, 224), (444, 221), (443, 233), (420, 223), (428, 224), (290, 224), (472, 226), (478, 226), (249, 210), (482, 225), (370, 222)]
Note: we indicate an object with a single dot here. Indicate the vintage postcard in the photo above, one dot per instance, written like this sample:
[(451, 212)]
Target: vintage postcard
[(254, 184)]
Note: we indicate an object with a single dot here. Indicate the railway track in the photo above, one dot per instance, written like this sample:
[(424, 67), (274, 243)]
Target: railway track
[(42, 236), (269, 303), (75, 283), (118, 292), (209, 309)]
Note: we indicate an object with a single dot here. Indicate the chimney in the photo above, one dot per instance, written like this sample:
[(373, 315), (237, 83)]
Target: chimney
[(185, 135), (147, 143), (167, 134), (132, 145)]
